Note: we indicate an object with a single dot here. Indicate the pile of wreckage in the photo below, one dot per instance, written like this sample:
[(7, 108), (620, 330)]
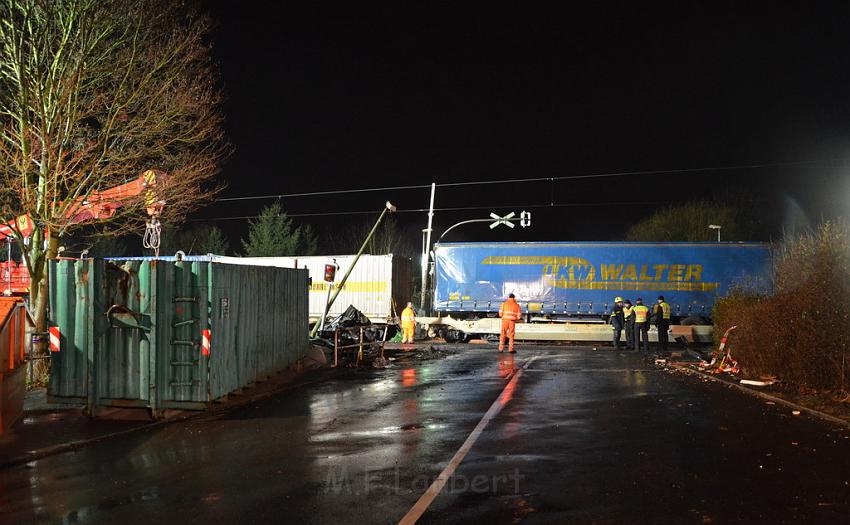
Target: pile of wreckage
[(353, 338)]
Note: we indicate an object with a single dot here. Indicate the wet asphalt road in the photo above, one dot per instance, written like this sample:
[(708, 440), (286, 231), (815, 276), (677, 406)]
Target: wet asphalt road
[(583, 437)]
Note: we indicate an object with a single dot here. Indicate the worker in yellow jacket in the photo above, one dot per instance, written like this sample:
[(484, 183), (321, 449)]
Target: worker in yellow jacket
[(510, 312), (641, 337), (629, 324), (661, 316), (408, 324)]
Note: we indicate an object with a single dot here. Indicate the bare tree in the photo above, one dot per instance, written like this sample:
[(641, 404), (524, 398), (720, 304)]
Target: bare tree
[(94, 93)]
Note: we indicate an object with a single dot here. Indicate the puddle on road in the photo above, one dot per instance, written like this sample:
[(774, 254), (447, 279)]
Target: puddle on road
[(85, 514), (411, 427)]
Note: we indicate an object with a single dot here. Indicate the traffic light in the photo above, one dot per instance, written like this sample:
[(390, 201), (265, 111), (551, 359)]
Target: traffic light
[(330, 272), (525, 219)]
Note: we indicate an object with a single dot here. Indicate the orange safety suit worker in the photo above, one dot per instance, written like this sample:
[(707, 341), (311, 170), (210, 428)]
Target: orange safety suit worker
[(510, 313), (408, 324)]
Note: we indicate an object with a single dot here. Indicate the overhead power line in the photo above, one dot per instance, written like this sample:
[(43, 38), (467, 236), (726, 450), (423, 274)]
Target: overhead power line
[(318, 193), (531, 179), (420, 210)]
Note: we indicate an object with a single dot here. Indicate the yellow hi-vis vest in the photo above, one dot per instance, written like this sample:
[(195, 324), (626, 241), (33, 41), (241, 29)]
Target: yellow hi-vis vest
[(641, 313), (408, 316), (627, 312), (665, 308)]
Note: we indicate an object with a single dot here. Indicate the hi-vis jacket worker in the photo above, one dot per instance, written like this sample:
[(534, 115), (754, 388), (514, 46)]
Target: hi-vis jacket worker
[(510, 313), (617, 321), (641, 313), (408, 324), (629, 324), (661, 316)]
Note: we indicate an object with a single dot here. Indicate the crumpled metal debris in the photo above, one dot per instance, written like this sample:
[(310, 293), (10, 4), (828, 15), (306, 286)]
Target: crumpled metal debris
[(350, 318)]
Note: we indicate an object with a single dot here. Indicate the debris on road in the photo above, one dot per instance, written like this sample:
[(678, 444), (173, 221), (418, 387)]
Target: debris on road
[(434, 352), (380, 362), (354, 339), (721, 359), (687, 357), (753, 382)]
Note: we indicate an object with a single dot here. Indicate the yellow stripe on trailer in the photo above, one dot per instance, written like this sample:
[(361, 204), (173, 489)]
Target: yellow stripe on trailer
[(632, 285), (354, 287)]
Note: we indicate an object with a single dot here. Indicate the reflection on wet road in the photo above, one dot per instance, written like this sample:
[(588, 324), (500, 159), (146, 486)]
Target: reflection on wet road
[(583, 437)]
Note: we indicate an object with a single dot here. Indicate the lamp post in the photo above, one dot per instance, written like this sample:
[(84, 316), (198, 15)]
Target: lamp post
[(716, 227)]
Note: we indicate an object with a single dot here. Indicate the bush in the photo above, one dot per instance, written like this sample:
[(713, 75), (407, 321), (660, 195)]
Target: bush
[(801, 332)]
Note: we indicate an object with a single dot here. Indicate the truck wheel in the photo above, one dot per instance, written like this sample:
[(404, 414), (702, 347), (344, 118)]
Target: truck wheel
[(455, 336)]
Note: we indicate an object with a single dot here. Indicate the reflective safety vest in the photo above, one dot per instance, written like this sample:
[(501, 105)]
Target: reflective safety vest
[(665, 309), (627, 312), (510, 311), (641, 313), (408, 316)]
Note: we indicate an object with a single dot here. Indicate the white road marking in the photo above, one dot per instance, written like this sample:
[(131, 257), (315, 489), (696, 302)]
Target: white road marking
[(436, 487)]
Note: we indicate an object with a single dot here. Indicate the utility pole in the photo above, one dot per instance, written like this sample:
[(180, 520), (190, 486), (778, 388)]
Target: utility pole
[(426, 249)]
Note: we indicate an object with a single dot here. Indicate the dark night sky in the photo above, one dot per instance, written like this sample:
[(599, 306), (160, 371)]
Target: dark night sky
[(348, 97)]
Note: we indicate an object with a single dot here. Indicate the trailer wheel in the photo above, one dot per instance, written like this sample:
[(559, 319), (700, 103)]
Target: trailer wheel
[(693, 320), (455, 336)]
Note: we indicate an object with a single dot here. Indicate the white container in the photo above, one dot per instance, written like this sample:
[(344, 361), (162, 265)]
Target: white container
[(379, 286)]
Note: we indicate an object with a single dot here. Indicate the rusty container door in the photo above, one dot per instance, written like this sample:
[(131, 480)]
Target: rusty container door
[(121, 322)]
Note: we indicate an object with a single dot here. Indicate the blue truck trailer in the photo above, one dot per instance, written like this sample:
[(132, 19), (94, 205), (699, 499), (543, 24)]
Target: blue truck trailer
[(563, 280)]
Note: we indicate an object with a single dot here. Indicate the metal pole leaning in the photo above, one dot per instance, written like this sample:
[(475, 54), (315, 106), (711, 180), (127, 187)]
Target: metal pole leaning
[(426, 252), (388, 207)]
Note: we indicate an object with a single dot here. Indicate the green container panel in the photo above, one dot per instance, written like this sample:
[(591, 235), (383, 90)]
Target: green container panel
[(224, 362), (68, 287), (132, 334)]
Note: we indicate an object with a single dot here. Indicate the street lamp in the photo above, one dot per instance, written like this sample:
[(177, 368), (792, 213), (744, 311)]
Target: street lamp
[(494, 220), (716, 227)]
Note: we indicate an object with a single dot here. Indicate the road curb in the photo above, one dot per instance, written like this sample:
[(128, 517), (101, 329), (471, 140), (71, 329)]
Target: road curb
[(75, 445), (762, 395), (209, 413)]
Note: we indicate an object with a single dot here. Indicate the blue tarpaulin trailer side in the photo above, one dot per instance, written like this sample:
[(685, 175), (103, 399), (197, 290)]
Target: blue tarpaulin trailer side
[(581, 279)]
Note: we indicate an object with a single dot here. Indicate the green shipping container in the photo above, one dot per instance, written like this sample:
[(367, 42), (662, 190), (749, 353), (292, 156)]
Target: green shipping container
[(166, 334)]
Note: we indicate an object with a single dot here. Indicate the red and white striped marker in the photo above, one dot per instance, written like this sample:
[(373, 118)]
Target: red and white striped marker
[(55, 338), (206, 341)]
